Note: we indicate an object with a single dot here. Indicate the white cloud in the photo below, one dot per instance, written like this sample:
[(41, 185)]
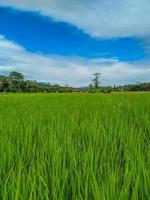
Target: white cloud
[(67, 70), (99, 18)]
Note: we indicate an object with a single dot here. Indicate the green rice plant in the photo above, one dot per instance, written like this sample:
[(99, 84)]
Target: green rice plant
[(75, 146)]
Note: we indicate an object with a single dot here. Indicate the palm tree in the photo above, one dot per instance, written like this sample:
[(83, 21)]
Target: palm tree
[(5, 83)]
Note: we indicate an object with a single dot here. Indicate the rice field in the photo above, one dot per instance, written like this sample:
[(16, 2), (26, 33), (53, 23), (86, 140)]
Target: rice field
[(75, 146)]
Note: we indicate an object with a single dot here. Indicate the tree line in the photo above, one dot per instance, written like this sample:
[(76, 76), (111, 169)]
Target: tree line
[(96, 87), (15, 82)]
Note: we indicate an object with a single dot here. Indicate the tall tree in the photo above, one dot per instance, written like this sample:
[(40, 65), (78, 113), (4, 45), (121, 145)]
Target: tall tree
[(96, 80), (16, 76), (17, 79)]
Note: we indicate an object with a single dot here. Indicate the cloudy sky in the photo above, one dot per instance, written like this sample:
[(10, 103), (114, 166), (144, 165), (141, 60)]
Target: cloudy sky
[(65, 41)]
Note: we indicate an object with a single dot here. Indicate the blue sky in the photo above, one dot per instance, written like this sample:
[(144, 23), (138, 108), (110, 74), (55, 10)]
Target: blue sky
[(66, 41)]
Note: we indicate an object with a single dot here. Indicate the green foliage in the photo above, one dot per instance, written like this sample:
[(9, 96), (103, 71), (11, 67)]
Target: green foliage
[(134, 87), (5, 83), (96, 81), (17, 80), (68, 146), (16, 77), (107, 89), (15, 83), (29, 86)]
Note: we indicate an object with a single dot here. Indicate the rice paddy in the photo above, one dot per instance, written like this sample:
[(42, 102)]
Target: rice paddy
[(75, 146)]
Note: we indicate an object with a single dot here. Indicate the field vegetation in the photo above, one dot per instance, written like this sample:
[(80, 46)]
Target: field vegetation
[(75, 146)]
